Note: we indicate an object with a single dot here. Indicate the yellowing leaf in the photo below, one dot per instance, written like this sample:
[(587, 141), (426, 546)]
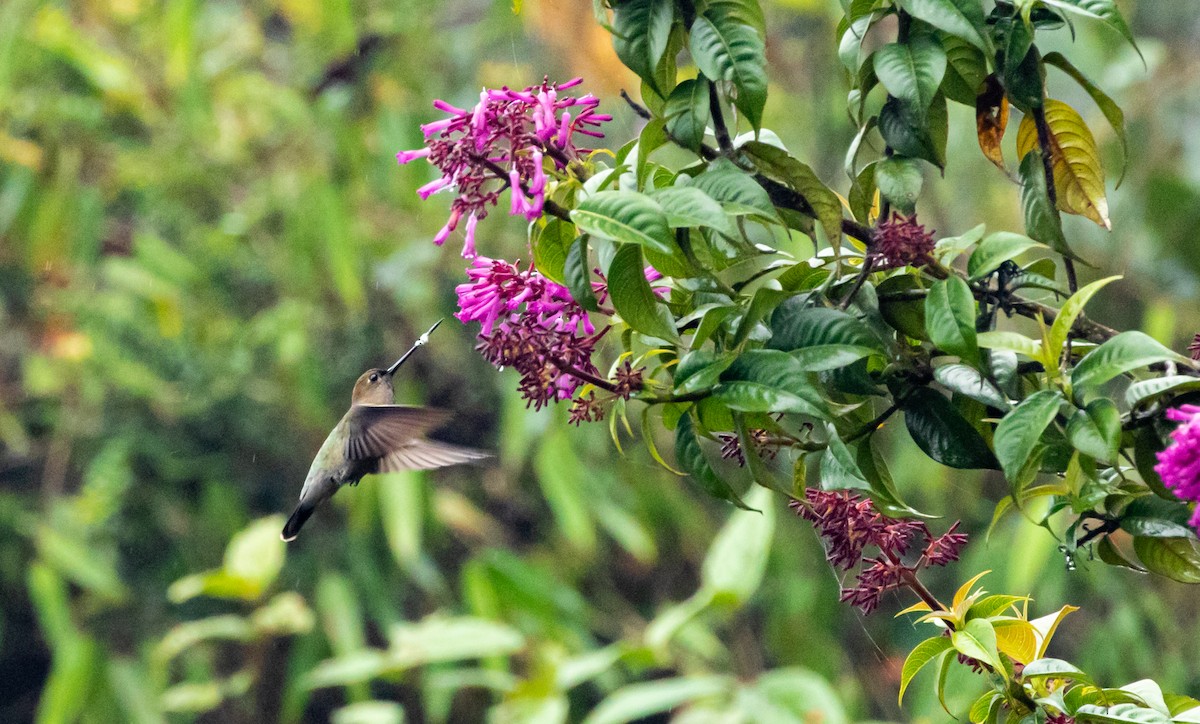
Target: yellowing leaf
[(991, 118), (1016, 638), (918, 606), (1046, 625), (961, 594), (1078, 175)]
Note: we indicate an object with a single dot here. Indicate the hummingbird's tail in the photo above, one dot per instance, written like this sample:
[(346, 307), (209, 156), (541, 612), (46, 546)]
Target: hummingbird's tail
[(292, 528)]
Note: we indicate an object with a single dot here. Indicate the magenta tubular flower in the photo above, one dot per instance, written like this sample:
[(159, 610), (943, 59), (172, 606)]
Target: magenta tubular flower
[(531, 324), (501, 142), (1179, 464)]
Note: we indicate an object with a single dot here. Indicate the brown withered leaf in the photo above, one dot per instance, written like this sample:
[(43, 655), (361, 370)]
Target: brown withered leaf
[(991, 118)]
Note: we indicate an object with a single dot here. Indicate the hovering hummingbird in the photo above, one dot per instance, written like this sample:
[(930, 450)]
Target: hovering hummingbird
[(375, 436)]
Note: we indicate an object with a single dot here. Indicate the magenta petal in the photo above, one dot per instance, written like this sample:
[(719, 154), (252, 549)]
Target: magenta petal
[(406, 156), (469, 245)]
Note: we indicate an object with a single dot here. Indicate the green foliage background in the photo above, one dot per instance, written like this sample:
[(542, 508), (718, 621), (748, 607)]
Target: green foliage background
[(198, 255)]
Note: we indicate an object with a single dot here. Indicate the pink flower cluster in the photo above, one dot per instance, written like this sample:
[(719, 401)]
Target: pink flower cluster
[(901, 241), (1179, 464), (850, 523), (503, 142), (531, 324)]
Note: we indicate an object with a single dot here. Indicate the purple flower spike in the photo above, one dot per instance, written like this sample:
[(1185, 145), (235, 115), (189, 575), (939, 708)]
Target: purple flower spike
[(499, 144), (1179, 464)]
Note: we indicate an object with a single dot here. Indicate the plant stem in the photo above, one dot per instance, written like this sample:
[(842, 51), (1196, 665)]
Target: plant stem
[(718, 119)]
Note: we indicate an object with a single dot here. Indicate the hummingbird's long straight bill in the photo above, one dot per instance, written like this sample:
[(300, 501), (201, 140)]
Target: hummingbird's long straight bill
[(421, 341)]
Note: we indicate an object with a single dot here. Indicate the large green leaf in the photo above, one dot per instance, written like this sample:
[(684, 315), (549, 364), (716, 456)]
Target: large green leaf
[(912, 71), (1126, 713), (641, 30), (1144, 390), (950, 318), (735, 189), (926, 651), (687, 112), (943, 433), (690, 206), (632, 297), (725, 48), (636, 702), (737, 558), (914, 134), (994, 250), (795, 326), (550, 246), (628, 217), (966, 68), (1096, 431), (578, 275), (1175, 558), (963, 18), (765, 380), (1124, 352), (969, 382), (1042, 221), (977, 640), (1103, 10), (777, 163), (1018, 433)]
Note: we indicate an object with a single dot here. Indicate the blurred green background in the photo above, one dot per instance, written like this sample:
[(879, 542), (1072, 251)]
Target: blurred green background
[(204, 239)]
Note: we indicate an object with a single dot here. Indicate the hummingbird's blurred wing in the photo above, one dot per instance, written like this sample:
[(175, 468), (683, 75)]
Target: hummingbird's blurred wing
[(376, 430), (428, 454)]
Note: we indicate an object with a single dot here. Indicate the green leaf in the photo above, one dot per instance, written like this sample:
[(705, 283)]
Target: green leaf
[(996, 249), (764, 380), (1175, 558), (942, 433), (926, 651), (1127, 713), (950, 318), (1011, 342), (966, 68), (691, 459), (1096, 431), (904, 315), (1018, 433), (737, 558), (735, 189), (1124, 352), (564, 492), (765, 300), (636, 702), (1145, 390), (912, 71), (687, 112), (1054, 669), (969, 382), (255, 554), (962, 18), (1042, 221), (1103, 10), (910, 133), (951, 247), (437, 639), (1112, 112), (1071, 309), (899, 180), (641, 31), (550, 246), (689, 206), (795, 326), (627, 217), (977, 640), (726, 49), (700, 369), (578, 275), (633, 298), (778, 164)]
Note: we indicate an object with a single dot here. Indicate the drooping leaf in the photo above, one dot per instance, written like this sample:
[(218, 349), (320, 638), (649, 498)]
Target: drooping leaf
[(913, 134), (627, 217), (550, 246), (922, 654), (687, 112), (943, 433), (969, 382), (632, 297), (735, 189), (966, 68), (737, 558), (1021, 429), (765, 380), (1112, 112), (778, 164), (991, 119), (912, 71), (727, 49), (1042, 221), (950, 318), (578, 275), (1078, 174), (1103, 10), (641, 30), (1124, 352)]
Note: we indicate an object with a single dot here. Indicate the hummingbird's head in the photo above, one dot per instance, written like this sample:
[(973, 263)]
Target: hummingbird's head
[(374, 387)]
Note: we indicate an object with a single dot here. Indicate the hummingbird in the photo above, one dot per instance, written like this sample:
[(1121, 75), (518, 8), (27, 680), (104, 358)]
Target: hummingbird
[(376, 436)]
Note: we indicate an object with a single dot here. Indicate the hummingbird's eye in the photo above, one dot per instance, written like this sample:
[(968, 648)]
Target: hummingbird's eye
[(374, 377)]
